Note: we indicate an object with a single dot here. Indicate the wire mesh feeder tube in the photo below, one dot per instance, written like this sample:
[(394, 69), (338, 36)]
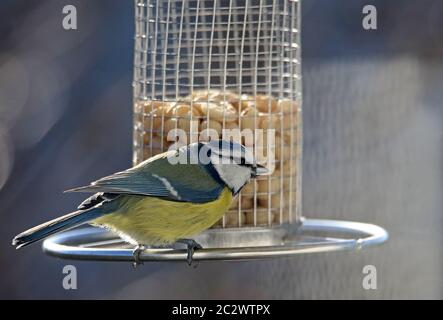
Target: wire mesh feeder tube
[(224, 69)]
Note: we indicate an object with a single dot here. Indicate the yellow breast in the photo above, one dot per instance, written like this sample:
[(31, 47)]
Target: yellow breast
[(153, 221)]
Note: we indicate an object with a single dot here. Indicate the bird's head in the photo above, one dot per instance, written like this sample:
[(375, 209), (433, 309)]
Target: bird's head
[(234, 163)]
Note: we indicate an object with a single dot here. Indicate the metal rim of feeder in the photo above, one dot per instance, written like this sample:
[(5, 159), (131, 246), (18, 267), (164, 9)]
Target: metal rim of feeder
[(100, 245)]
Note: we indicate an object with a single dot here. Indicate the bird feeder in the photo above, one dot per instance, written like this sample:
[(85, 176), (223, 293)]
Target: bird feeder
[(226, 69)]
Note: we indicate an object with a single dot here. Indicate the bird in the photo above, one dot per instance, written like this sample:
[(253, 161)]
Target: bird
[(166, 199)]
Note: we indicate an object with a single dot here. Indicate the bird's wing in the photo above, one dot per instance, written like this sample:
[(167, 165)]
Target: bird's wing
[(158, 177), (96, 199)]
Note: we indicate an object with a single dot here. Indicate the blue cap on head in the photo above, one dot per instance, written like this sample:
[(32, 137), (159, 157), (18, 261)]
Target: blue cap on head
[(231, 150)]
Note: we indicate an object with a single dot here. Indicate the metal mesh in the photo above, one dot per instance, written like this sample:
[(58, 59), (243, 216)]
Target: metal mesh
[(208, 65)]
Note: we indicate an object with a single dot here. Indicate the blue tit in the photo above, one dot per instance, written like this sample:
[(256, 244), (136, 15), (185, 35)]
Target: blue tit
[(168, 198)]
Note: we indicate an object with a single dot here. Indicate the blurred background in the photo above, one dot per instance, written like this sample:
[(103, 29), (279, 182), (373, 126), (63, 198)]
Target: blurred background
[(373, 147)]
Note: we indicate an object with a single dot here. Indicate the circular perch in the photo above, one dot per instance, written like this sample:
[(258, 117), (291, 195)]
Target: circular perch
[(311, 236)]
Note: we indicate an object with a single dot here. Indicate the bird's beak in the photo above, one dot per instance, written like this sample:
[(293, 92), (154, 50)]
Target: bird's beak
[(259, 170)]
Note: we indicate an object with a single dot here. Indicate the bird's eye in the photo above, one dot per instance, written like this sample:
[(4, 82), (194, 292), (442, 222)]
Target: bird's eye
[(244, 163)]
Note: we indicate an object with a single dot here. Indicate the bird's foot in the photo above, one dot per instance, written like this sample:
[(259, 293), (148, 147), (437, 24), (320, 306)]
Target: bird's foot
[(136, 254), (192, 246)]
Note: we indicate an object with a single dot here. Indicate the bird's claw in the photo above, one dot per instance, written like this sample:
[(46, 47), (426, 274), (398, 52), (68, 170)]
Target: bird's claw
[(192, 246), (136, 254)]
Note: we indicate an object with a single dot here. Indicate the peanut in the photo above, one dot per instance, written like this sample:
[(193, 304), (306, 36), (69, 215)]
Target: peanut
[(271, 186), (273, 201), (217, 111), (266, 104), (262, 217), (232, 219)]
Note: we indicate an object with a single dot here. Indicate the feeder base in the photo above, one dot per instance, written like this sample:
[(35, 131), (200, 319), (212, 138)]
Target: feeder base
[(311, 236)]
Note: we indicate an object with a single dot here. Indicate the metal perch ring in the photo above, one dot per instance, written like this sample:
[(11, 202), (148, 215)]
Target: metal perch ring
[(311, 236)]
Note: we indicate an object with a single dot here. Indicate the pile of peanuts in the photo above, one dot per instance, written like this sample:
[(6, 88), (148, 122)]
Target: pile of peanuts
[(264, 201)]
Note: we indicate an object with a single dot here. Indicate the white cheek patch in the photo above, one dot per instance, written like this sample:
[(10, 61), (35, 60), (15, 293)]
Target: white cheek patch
[(168, 186), (234, 176)]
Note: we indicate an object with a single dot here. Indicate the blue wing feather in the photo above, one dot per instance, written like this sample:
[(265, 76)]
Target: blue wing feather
[(158, 177)]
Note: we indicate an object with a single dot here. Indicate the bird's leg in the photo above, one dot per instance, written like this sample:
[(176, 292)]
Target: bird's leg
[(192, 246), (136, 253)]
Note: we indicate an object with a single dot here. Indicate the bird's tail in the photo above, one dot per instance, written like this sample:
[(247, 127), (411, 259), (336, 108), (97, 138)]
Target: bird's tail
[(46, 229)]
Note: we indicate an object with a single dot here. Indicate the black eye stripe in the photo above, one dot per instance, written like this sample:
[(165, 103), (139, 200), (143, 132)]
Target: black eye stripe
[(234, 160), (243, 162)]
